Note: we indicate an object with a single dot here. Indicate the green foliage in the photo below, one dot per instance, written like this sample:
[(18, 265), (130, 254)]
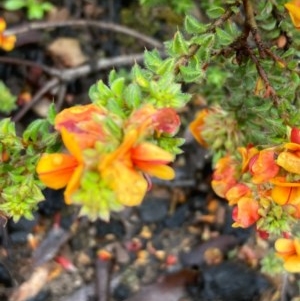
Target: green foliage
[(181, 7), (7, 100), (35, 8)]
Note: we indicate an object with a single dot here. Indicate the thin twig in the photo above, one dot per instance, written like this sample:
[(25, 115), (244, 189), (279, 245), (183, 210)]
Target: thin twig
[(81, 22)]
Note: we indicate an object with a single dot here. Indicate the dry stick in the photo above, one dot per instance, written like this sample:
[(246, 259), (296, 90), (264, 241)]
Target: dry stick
[(70, 74), (103, 25)]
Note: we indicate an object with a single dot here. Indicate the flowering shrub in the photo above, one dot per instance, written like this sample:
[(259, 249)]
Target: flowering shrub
[(243, 63)]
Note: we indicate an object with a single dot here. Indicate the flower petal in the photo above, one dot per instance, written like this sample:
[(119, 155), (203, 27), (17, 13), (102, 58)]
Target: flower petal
[(73, 184), (160, 171), (55, 170), (292, 264), (289, 161)]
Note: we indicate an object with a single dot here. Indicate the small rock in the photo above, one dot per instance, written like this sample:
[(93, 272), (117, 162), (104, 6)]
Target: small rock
[(153, 210)]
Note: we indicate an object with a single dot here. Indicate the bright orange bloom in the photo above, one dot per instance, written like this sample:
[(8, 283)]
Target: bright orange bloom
[(286, 195), (6, 42), (293, 8), (58, 170), (166, 120), (84, 122), (197, 126), (263, 166), (224, 176), (123, 169), (245, 213), (235, 193), (289, 251)]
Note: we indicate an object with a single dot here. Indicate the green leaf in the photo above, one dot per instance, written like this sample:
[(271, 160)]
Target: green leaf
[(190, 74), (152, 60), (133, 95), (215, 12), (139, 76), (14, 4), (193, 26), (179, 44), (118, 86), (224, 38), (51, 114)]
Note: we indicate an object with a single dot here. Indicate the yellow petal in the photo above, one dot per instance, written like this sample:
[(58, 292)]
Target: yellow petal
[(289, 161), (130, 186), (55, 170), (285, 246)]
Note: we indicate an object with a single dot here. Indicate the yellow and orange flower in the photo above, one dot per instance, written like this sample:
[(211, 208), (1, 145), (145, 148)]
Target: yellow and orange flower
[(293, 8), (289, 250), (60, 170), (263, 166), (224, 176), (245, 213), (84, 122), (123, 169), (7, 43), (247, 154), (197, 126)]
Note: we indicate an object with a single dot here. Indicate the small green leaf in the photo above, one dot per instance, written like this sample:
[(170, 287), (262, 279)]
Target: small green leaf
[(193, 26), (35, 12), (224, 38), (152, 60), (179, 44), (118, 86), (215, 12), (133, 95)]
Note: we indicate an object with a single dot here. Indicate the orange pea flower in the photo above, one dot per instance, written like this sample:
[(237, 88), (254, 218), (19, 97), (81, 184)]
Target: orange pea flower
[(7, 43), (289, 251), (293, 8), (84, 122), (224, 176), (197, 126), (123, 169), (263, 166), (245, 213), (58, 170)]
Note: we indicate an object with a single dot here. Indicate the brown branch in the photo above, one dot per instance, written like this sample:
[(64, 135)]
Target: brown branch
[(102, 25), (250, 23)]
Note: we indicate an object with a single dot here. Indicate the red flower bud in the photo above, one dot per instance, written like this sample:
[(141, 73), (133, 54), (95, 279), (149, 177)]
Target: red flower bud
[(295, 135)]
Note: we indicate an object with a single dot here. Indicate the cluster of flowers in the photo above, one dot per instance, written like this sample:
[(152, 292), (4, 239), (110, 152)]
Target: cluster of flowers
[(263, 185), (108, 156)]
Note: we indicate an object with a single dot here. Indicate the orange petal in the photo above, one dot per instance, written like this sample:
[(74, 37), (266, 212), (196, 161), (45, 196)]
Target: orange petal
[(263, 166), (55, 170), (281, 195), (281, 181), (71, 144), (292, 264), (247, 154), (8, 42), (160, 171), (73, 184), (148, 152), (197, 125)]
